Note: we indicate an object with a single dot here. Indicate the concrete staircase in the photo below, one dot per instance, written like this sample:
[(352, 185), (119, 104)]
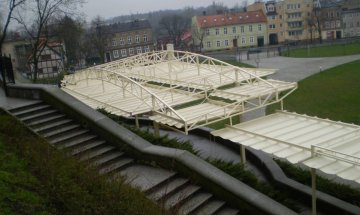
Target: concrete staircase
[(169, 189)]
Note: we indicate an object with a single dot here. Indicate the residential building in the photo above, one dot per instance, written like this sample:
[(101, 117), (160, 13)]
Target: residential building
[(351, 22), (330, 16), (127, 39), (51, 61), (297, 15), (287, 20), (226, 31)]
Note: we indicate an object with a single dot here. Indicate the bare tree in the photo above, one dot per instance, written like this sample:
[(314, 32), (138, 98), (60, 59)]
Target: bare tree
[(198, 34), (96, 37), (175, 25), (317, 19), (42, 12), (70, 31), (12, 5)]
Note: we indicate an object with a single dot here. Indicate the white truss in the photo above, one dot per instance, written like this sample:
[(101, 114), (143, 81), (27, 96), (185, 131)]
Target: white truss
[(159, 82)]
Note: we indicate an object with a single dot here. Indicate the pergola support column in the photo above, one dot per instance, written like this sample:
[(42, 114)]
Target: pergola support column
[(313, 186), (242, 154), (156, 129), (137, 122)]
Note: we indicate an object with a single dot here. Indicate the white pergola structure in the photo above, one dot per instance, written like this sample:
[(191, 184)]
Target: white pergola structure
[(328, 146), (177, 89)]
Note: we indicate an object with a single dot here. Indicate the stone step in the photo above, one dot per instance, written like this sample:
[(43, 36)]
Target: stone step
[(96, 152), (180, 196), (40, 115), (46, 120), (52, 126), (81, 139), (211, 207), (107, 157), (67, 136), (60, 129), (145, 177), (82, 148), (33, 104), (227, 211), (117, 164), (30, 110), (194, 202), (168, 188)]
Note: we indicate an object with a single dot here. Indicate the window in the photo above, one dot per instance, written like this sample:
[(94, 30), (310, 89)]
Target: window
[(55, 69), (225, 30), (218, 44), (250, 28), (273, 17), (226, 42), (122, 42), (208, 44), (137, 39), (116, 53), (272, 26), (138, 50), (243, 40), (259, 27), (217, 31), (113, 42), (123, 52), (129, 39), (131, 51), (146, 49), (242, 29), (280, 16), (45, 57), (207, 32), (145, 38), (251, 39), (234, 30)]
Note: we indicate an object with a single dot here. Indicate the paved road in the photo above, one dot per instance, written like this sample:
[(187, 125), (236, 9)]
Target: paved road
[(296, 69)]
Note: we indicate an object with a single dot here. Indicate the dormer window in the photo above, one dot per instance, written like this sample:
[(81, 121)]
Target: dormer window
[(230, 18), (204, 20), (240, 17), (222, 19), (215, 20)]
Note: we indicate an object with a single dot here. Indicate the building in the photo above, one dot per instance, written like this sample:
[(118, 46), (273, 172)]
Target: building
[(287, 20), (127, 39), (351, 22), (330, 16), (226, 31), (51, 61), (275, 23)]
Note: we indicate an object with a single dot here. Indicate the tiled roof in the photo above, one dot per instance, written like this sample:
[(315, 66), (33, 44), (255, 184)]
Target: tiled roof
[(231, 19)]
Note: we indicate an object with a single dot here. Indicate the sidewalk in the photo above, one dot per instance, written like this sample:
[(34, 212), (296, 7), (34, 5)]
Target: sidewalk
[(9, 102)]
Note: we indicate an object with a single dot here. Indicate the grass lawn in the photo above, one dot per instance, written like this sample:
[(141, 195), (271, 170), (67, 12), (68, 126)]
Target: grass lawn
[(333, 94), (326, 51)]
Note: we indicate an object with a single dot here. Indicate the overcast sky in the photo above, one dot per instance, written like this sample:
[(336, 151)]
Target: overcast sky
[(112, 8)]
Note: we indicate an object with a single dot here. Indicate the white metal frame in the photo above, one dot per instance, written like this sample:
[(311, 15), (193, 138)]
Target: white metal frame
[(195, 75)]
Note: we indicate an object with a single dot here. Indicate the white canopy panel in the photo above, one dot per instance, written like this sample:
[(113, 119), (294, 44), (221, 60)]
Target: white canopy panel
[(254, 90), (124, 102), (190, 75), (332, 147)]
